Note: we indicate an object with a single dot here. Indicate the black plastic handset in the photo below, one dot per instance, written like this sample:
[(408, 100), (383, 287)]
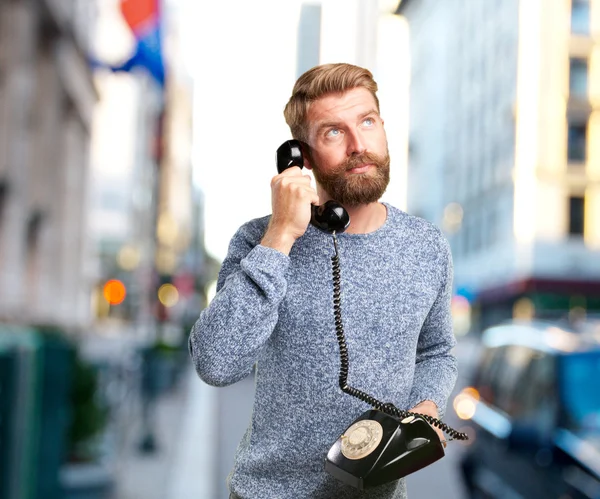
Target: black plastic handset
[(329, 217)]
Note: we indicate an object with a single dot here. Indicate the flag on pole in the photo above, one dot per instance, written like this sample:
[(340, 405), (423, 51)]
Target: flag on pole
[(144, 18)]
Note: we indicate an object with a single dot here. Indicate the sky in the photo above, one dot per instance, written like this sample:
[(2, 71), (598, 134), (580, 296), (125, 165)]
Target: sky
[(243, 60)]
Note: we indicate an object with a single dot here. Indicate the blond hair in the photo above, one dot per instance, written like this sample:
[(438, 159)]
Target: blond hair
[(320, 81)]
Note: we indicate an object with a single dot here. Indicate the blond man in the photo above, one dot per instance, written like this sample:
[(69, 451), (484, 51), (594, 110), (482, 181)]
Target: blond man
[(274, 307)]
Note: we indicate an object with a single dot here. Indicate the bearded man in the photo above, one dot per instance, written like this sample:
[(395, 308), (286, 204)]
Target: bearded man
[(274, 305)]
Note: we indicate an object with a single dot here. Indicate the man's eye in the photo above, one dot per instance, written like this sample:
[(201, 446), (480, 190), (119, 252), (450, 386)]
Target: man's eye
[(334, 132), (369, 121)]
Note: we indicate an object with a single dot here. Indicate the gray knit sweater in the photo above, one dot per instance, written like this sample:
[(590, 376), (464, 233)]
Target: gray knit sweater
[(276, 311)]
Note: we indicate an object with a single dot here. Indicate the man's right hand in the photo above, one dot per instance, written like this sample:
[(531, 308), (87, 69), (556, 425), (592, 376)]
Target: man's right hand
[(291, 200)]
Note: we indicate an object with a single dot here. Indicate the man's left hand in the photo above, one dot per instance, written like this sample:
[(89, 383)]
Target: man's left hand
[(429, 408)]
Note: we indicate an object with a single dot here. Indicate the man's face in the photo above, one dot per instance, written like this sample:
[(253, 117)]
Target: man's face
[(348, 147)]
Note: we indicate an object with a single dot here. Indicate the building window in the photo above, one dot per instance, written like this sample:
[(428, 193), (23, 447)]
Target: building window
[(3, 196), (34, 225), (580, 17), (576, 215), (576, 142), (3, 200), (578, 77)]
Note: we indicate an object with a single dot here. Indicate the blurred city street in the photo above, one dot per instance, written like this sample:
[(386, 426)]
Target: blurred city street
[(138, 136), (198, 427)]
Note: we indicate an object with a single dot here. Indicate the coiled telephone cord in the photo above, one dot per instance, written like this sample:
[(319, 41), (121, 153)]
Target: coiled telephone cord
[(388, 408)]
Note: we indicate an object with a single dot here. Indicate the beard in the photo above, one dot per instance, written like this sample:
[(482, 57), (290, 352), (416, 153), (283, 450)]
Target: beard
[(356, 188)]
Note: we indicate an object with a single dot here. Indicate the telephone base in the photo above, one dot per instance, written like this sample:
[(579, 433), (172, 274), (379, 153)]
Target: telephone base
[(378, 448)]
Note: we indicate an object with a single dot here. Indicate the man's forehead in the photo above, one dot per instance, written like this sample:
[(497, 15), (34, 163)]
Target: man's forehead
[(338, 105)]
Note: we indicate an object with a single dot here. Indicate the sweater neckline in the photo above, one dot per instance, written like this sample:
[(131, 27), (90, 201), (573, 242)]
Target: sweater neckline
[(368, 235)]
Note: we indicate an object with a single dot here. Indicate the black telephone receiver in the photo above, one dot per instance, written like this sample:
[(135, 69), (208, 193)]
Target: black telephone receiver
[(329, 217), (385, 443)]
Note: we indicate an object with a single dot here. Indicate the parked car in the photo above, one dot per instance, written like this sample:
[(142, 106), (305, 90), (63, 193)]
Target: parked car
[(534, 410)]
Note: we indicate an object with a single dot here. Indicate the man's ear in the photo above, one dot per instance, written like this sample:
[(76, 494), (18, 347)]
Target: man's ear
[(306, 155)]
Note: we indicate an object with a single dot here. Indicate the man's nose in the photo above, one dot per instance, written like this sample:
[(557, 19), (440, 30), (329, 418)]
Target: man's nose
[(356, 144)]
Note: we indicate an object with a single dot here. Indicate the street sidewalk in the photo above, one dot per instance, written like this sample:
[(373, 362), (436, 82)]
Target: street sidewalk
[(194, 464), (182, 420), (182, 466)]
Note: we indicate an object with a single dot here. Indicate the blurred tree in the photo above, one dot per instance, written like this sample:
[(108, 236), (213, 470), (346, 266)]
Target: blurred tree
[(89, 417)]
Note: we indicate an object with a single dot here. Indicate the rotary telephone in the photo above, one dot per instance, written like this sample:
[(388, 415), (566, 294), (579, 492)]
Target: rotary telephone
[(385, 443)]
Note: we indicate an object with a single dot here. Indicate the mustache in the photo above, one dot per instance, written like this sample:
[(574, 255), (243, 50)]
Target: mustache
[(365, 158)]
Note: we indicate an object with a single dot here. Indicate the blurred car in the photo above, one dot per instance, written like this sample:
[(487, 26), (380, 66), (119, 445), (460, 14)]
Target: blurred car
[(534, 412)]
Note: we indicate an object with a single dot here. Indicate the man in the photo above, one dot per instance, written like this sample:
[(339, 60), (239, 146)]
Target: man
[(274, 301)]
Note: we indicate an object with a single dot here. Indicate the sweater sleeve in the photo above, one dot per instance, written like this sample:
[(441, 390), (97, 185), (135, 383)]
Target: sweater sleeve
[(436, 367), (226, 340)]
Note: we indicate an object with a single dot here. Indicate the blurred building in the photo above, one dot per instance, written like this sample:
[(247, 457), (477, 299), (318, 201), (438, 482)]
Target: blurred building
[(366, 33), (503, 154), (143, 222), (124, 170), (309, 37), (180, 259), (46, 103)]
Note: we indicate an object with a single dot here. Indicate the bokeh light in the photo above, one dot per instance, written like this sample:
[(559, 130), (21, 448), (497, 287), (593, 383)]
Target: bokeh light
[(524, 309), (114, 292), (461, 315), (465, 403), (168, 295), (128, 257)]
